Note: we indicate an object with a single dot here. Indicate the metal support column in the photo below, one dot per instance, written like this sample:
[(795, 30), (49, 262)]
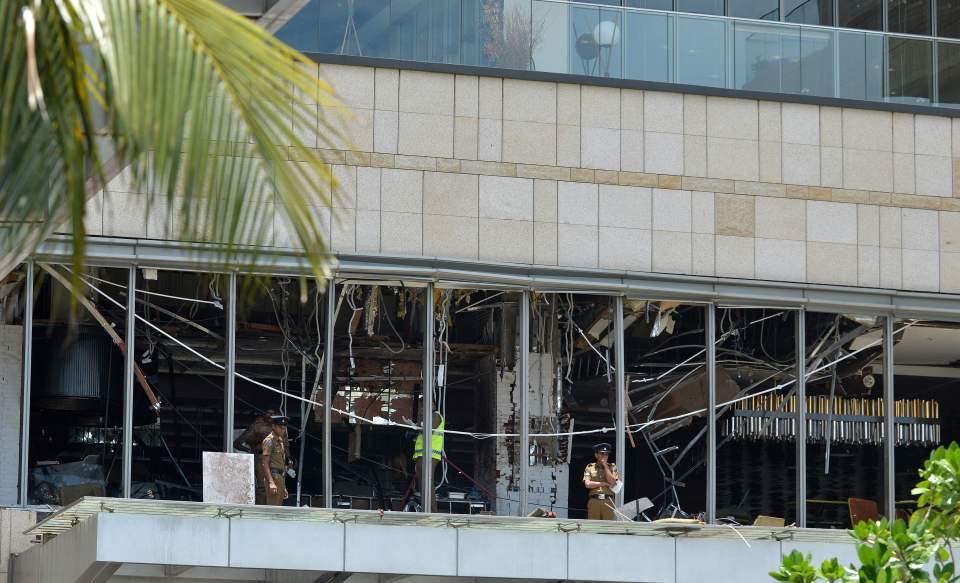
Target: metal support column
[(129, 341), (889, 421), (230, 364), (711, 340), (523, 386), (328, 394), (620, 443), (801, 420), (429, 376), (28, 291)]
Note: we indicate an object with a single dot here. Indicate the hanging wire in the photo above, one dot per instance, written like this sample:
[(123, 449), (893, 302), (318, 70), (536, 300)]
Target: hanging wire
[(633, 428)]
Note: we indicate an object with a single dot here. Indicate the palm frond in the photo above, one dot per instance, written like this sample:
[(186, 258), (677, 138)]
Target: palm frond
[(199, 103)]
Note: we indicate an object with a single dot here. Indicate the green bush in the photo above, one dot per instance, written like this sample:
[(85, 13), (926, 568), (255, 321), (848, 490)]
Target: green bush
[(899, 551)]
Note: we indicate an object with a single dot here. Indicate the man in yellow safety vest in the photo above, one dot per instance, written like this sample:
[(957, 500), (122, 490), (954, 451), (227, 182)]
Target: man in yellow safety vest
[(436, 446)]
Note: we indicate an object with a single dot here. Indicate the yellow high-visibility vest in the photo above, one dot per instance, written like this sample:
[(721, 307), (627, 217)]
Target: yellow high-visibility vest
[(436, 442)]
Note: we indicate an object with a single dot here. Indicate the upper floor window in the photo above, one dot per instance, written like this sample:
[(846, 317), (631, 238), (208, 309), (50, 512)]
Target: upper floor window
[(948, 18), (863, 14), (758, 9), (701, 6), (808, 12), (909, 16)]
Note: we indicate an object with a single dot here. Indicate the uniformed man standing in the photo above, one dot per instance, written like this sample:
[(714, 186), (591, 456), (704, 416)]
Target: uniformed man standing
[(273, 462), (600, 478)]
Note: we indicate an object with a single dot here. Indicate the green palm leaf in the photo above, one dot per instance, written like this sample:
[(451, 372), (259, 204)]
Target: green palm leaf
[(199, 105)]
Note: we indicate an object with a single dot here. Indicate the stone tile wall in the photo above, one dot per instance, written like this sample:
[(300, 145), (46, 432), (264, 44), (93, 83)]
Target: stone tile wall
[(504, 170)]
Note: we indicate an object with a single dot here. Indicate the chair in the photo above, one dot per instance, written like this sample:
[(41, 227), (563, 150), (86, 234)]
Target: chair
[(862, 510)]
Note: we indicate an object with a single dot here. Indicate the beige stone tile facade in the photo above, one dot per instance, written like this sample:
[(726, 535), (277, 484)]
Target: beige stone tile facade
[(531, 172)]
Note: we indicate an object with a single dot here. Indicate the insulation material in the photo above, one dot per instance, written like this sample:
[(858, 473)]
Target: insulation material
[(11, 357)]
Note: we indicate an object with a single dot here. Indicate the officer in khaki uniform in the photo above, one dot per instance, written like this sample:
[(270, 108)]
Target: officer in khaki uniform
[(273, 463), (599, 478)]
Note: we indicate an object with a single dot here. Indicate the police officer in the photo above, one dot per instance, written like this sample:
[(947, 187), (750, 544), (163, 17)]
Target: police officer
[(599, 478), (273, 462)]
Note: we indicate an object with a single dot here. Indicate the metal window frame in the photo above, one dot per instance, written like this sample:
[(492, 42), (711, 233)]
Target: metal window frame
[(26, 380), (710, 292), (129, 341)]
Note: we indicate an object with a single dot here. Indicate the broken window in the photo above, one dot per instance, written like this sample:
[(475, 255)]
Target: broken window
[(180, 350), (378, 380), (927, 398), (279, 352), (666, 376), (756, 415), (76, 405), (845, 442), (572, 390), (476, 337)]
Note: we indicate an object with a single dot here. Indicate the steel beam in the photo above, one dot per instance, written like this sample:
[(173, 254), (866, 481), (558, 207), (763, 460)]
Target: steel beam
[(711, 339), (328, 394), (801, 419), (129, 341), (889, 421), (28, 291), (429, 376), (619, 388), (523, 386), (230, 364)]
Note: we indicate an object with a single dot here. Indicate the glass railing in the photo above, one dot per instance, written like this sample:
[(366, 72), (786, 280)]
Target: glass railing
[(625, 43)]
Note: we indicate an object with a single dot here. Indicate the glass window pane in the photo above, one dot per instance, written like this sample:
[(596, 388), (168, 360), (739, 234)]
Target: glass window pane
[(863, 14), (910, 70), (585, 54), (701, 6), (647, 46), (861, 66), (759, 9), (651, 4), (302, 31), (507, 33), (701, 45), (666, 380), (816, 62), (609, 35), (766, 58), (809, 11), (909, 16), (845, 442), (756, 452), (76, 405), (949, 62), (948, 18), (927, 407), (555, 48)]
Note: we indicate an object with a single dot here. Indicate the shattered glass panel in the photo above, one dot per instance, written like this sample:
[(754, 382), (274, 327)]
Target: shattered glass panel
[(572, 381), (76, 406), (666, 376), (280, 347), (927, 399), (756, 416), (845, 445), (181, 350)]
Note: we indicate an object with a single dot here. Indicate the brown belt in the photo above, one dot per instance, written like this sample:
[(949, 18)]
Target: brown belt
[(600, 496)]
